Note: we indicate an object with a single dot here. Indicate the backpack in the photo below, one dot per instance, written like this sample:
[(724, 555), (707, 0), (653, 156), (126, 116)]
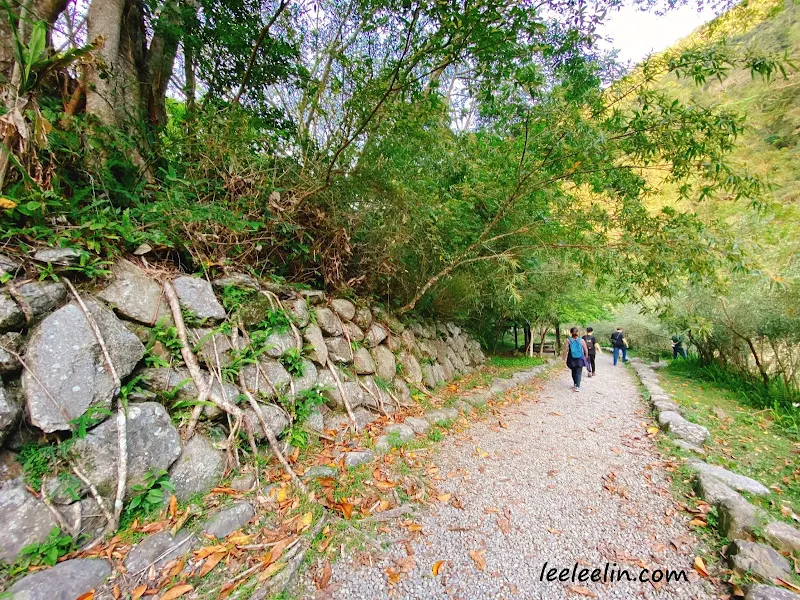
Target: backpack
[(575, 348), (589, 343), (617, 338)]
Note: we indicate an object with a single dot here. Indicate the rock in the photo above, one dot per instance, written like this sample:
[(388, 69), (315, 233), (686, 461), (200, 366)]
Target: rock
[(255, 377), (158, 549), (58, 256), (328, 322), (9, 264), (25, 519), (198, 469), (278, 343), (363, 317), (65, 581), (134, 295), (663, 405), (420, 426), (298, 308), (428, 376), (363, 417), (385, 366), (375, 335), (354, 459), (760, 591), (42, 296), (782, 536), (402, 392), (713, 491), (675, 424), (353, 332), (274, 416), (153, 443), (394, 435), (10, 412), (315, 421), (395, 326), (339, 350), (462, 407), (353, 391), (229, 520), (738, 518), (759, 560), (64, 489), (66, 372), (479, 398), (411, 368), (363, 363), (197, 296), (313, 297), (8, 362), (733, 480), (11, 315), (179, 382), (688, 447), (308, 379), (320, 471), (344, 308), (244, 482), (239, 280), (319, 351), (211, 345)]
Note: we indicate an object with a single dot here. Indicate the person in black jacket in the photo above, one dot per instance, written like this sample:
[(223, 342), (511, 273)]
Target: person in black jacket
[(593, 347), (620, 344)]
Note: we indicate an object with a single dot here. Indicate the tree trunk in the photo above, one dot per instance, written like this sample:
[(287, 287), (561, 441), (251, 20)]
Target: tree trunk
[(543, 338), (558, 337), (161, 60), (516, 338)]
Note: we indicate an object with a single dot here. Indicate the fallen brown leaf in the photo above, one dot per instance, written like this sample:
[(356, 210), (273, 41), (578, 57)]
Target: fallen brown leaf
[(138, 592), (211, 562), (437, 567), (478, 559), (583, 591), (700, 566), (177, 591)]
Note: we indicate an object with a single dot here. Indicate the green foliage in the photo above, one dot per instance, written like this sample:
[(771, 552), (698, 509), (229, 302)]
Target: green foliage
[(292, 361), (167, 336), (234, 297), (42, 460), (47, 552), (93, 416), (149, 495)]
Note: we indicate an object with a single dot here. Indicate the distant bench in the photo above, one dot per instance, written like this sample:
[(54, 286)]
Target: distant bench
[(549, 348)]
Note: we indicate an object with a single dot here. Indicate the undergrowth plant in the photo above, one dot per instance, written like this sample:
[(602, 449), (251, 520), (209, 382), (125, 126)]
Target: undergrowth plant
[(292, 361), (149, 495)]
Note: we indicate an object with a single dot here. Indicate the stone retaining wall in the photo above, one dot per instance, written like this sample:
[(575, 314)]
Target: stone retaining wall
[(65, 384)]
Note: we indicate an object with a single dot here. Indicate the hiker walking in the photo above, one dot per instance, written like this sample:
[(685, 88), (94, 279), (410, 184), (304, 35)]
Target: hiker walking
[(576, 355), (620, 344), (592, 346), (677, 346)]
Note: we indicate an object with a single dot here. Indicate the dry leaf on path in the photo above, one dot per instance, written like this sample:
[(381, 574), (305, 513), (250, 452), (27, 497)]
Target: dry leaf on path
[(177, 591), (325, 578), (504, 525), (437, 566), (270, 571), (583, 591), (444, 498), (211, 562), (138, 592), (478, 559), (700, 566), (87, 596)]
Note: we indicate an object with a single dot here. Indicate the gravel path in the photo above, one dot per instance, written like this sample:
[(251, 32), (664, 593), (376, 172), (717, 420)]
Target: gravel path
[(572, 478)]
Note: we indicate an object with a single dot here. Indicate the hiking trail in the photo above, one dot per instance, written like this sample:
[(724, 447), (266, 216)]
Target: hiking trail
[(569, 478)]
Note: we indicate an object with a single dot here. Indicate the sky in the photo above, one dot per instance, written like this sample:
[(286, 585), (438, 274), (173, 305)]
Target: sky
[(636, 34)]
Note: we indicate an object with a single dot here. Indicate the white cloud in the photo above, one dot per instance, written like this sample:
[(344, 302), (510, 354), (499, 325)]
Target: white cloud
[(636, 34)]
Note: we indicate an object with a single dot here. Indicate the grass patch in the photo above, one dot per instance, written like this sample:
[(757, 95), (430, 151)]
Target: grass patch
[(743, 440), (515, 362)]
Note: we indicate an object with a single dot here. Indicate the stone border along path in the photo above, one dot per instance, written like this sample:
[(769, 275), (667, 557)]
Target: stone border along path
[(563, 478), (739, 520)]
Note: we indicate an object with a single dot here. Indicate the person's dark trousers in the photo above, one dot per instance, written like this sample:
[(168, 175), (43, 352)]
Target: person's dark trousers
[(577, 371), (591, 361), (680, 350)]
